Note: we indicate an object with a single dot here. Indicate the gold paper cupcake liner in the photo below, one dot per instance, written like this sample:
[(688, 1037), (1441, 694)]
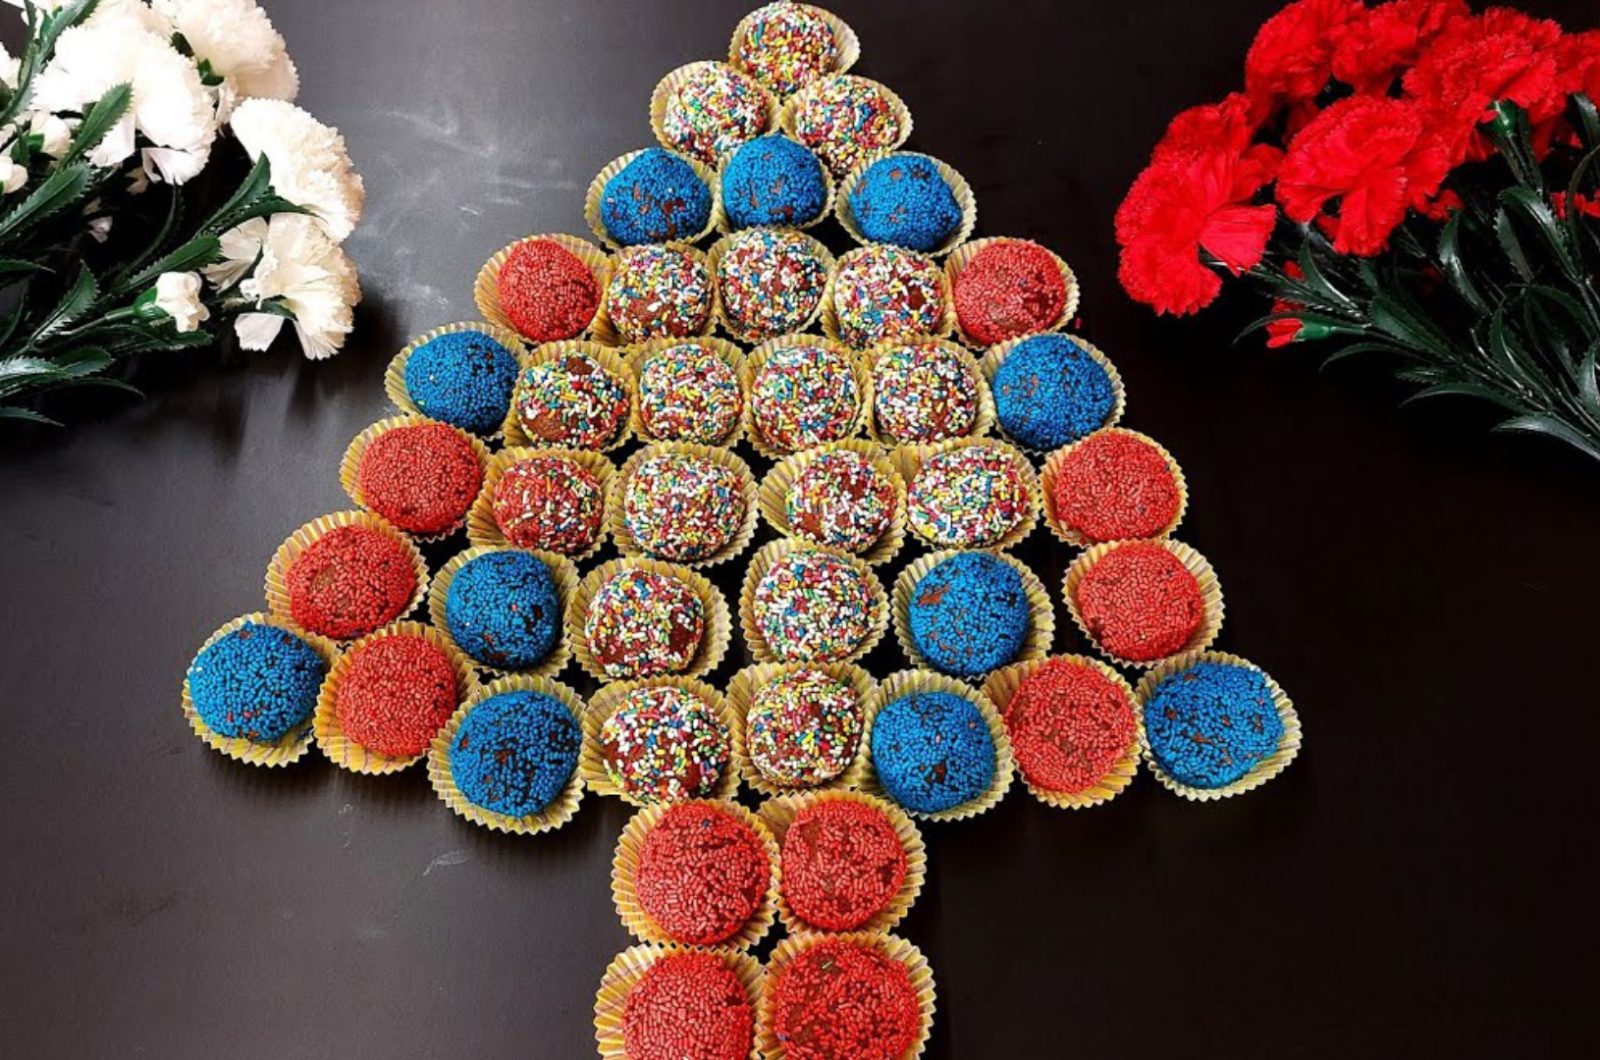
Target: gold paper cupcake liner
[(483, 528), (1001, 688), (628, 969), (756, 640), (1193, 562), (957, 184), (779, 813), (328, 728), (608, 359), (1041, 610), (714, 607), (277, 580), (909, 682), (394, 376), (561, 809), (991, 362), (662, 95), (293, 745), (909, 460), (742, 691), (791, 107), (773, 496), (962, 256), (1056, 460), (723, 457), (625, 869), (597, 187), (891, 946), (604, 703), (350, 465), (757, 359), (982, 424), (729, 326), (639, 354), (486, 288), (606, 331), (1262, 771), (849, 45), (562, 571), (724, 224), (830, 312)]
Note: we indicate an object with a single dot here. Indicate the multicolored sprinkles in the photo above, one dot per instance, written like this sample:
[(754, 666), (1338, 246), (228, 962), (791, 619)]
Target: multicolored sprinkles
[(683, 507), (924, 391), (664, 744), (642, 623), (770, 281), (845, 118), (841, 499), (883, 292), (549, 502), (786, 46), (659, 292), (803, 396), (803, 729), (689, 394), (713, 109), (813, 606), (571, 400), (970, 497)]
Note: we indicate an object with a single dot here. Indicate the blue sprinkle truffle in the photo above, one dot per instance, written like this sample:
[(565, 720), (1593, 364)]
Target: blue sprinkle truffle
[(903, 199), (772, 180), (656, 198), (1210, 724), (1049, 391), (463, 378), (932, 751), (258, 682), (969, 614), (503, 610), (515, 752)]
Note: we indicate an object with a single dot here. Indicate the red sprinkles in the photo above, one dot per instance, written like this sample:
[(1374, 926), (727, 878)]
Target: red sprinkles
[(702, 873), (422, 478), (688, 1005), (1140, 602), (1069, 725), (351, 581), (1116, 485), (840, 999), (842, 864), (396, 693), (547, 292), (1009, 288)]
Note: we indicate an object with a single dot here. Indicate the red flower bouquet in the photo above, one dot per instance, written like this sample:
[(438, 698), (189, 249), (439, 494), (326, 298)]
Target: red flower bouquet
[(1410, 179)]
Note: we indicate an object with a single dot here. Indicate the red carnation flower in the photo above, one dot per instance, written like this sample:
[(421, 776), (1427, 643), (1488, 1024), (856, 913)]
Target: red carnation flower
[(1375, 156), (1586, 206), (1284, 330), (1578, 60), (1380, 43), (1224, 126), (1291, 59)]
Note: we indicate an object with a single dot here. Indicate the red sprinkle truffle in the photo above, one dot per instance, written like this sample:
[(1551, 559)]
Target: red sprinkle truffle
[(843, 863), (702, 873), (549, 502), (840, 998), (1009, 288), (421, 477), (396, 693), (1069, 725), (1139, 602), (1116, 485), (351, 581), (688, 1005), (547, 291)]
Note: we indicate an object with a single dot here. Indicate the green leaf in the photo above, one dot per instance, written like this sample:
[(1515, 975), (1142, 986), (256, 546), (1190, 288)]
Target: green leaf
[(74, 302), (56, 192), (1318, 281), (12, 412), (1553, 428), (1467, 390), (1589, 379), (195, 254), (1507, 352), (98, 120), (1512, 246), (256, 184), (1455, 272), (1588, 121), (1356, 349), (16, 267)]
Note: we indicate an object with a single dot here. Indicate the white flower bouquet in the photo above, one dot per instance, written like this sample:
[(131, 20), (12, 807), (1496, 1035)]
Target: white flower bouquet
[(108, 117)]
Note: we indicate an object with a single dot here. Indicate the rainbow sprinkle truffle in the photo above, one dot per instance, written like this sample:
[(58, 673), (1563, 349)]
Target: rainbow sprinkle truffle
[(463, 378), (659, 292), (844, 119), (503, 610), (882, 293), (572, 400), (933, 751), (713, 109), (903, 200), (786, 46), (549, 502), (804, 396), (663, 744), (642, 623), (813, 606), (924, 392), (656, 198), (969, 614), (803, 729), (689, 394), (773, 181), (770, 282), (970, 497), (1050, 391), (1210, 724), (841, 499), (683, 507), (257, 683), (515, 752)]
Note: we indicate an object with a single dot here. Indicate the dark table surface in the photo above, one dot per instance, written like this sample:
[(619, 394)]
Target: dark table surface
[(1416, 882)]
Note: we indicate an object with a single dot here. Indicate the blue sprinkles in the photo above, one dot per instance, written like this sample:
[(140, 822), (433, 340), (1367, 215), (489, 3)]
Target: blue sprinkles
[(258, 682), (503, 610), (515, 752), (463, 378), (902, 199), (656, 198), (772, 180), (969, 614), (1049, 392), (932, 751), (1210, 724)]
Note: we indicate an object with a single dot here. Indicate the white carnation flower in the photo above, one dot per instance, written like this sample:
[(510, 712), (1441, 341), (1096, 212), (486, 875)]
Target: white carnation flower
[(178, 295), (12, 176), (54, 134), (239, 42), (305, 272), (310, 165)]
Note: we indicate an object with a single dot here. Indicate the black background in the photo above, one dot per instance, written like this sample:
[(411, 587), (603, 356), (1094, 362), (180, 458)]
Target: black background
[(1418, 882)]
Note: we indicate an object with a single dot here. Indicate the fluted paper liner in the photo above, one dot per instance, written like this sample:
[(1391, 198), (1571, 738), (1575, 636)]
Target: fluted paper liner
[(597, 188), (293, 745), (484, 529), (562, 571), (344, 752), (891, 946), (762, 561), (724, 224), (277, 580), (962, 256), (722, 456), (748, 683), (1001, 688), (662, 94), (486, 288), (560, 810), (1056, 460), (551, 352), (773, 496), (848, 44), (902, 113), (625, 869), (714, 607), (982, 424), (628, 969), (1193, 562), (909, 459), (639, 354), (908, 682), (605, 329), (957, 184), (779, 813), (1041, 610), (991, 362), (394, 376), (734, 331), (1262, 771), (350, 465), (757, 359), (830, 312), (604, 703)]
